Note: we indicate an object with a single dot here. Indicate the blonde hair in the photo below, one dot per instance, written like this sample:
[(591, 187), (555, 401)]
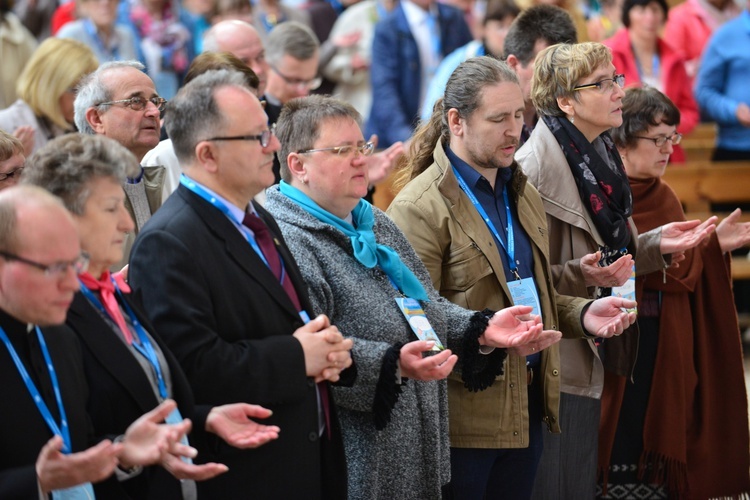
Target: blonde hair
[(54, 68), (559, 68)]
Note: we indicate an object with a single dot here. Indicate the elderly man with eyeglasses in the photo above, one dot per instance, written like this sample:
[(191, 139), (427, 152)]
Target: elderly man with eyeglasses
[(119, 101)]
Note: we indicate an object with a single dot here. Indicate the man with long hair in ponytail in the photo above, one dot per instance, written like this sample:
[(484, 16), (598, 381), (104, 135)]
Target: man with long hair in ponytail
[(480, 229)]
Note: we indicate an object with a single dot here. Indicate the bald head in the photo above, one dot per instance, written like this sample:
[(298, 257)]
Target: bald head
[(241, 40), (38, 237)]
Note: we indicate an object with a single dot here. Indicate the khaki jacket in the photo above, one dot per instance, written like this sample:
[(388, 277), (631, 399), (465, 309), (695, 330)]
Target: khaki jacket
[(459, 251), (572, 235)]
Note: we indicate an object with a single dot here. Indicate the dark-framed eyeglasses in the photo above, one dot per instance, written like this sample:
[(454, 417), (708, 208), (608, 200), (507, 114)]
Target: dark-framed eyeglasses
[(604, 86), (58, 269), (264, 137), (365, 149), (662, 139), (13, 174), (138, 103), (311, 84)]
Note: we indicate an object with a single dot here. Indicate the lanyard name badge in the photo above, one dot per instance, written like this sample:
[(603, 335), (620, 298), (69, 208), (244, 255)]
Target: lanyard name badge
[(197, 189), (81, 491), (627, 290), (418, 321), (146, 348), (522, 290)]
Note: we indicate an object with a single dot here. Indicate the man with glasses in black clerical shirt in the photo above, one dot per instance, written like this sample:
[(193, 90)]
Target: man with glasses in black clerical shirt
[(44, 429)]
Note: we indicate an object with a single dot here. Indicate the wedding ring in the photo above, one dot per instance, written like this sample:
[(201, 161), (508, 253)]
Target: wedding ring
[(533, 349)]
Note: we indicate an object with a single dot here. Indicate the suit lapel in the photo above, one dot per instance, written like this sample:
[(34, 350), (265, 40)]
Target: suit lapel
[(97, 335), (240, 250)]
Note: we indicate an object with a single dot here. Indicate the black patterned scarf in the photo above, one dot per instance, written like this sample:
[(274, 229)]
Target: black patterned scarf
[(602, 182)]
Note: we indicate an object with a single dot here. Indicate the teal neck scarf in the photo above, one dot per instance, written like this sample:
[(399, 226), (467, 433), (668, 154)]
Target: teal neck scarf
[(366, 250)]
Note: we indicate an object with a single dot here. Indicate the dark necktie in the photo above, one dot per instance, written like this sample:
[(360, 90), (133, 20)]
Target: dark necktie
[(265, 241)]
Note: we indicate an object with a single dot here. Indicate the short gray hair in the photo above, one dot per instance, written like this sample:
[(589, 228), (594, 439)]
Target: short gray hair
[(293, 39), (10, 200), (299, 124), (92, 91), (193, 114), (67, 165)]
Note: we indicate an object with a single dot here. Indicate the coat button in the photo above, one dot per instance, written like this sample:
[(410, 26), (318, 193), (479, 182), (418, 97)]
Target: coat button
[(555, 373), (512, 386), (515, 433), (554, 327), (312, 436)]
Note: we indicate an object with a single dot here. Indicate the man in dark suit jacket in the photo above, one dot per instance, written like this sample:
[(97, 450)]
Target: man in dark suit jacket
[(398, 64), (234, 322), (39, 257)]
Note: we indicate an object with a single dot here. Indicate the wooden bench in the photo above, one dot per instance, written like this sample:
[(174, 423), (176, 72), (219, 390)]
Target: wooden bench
[(698, 184), (700, 143)]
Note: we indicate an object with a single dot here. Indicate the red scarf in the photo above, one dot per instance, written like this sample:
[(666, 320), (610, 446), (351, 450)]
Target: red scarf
[(106, 289)]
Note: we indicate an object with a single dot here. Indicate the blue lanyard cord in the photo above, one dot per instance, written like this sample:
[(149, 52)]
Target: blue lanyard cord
[(510, 249), (200, 191), (143, 345), (63, 429)]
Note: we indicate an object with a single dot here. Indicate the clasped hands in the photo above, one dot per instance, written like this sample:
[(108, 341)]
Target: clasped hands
[(327, 352)]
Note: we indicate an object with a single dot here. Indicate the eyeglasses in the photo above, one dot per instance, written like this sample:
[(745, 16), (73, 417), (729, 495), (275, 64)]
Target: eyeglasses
[(139, 103), (662, 139), (365, 149), (264, 137), (13, 174), (56, 270), (605, 85), (298, 82)]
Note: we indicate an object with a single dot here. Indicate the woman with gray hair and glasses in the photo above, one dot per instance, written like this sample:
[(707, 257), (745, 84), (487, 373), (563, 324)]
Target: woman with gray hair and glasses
[(366, 277), (572, 161), (129, 369)]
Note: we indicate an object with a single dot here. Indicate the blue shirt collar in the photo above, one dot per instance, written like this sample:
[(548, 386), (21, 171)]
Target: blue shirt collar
[(474, 178)]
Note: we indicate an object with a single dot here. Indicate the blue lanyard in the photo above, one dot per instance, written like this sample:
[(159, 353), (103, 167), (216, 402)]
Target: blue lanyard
[(63, 429), (510, 250), (655, 62), (145, 347), (200, 191)]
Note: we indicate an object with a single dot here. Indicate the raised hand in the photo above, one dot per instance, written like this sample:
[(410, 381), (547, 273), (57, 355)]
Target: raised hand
[(233, 424), (615, 274), (56, 470), (183, 470), (511, 326), (381, 164), (605, 317), (418, 367), (148, 439), (732, 233), (681, 236)]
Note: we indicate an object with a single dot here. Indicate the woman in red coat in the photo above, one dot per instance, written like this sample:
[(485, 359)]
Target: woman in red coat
[(645, 59)]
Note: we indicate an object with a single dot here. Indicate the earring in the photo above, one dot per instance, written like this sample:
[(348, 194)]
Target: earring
[(571, 118)]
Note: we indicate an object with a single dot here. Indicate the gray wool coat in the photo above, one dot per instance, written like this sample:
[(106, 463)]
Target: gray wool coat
[(409, 458)]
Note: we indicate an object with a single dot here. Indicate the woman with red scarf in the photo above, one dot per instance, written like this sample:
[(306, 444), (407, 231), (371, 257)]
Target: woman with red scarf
[(128, 368)]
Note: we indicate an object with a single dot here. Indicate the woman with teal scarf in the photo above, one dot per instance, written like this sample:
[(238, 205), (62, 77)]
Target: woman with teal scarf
[(362, 272)]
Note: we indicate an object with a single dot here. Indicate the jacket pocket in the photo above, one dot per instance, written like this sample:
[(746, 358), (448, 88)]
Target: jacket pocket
[(464, 267)]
